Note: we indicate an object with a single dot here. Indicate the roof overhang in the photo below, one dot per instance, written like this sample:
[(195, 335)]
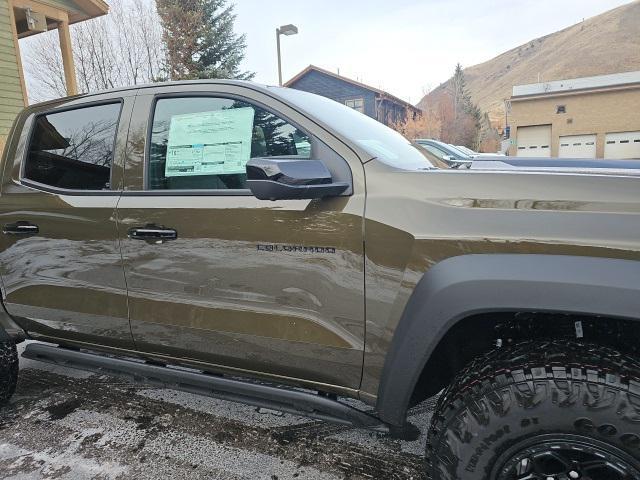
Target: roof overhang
[(92, 9), (574, 92), (55, 12), (582, 83)]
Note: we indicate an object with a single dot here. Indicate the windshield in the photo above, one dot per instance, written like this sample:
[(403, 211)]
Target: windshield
[(466, 150), (379, 141), (458, 150), (434, 150), (444, 149)]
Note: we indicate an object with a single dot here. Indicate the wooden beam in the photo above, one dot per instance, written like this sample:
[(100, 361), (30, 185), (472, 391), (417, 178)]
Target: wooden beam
[(50, 12), (67, 58), (84, 10), (14, 31)]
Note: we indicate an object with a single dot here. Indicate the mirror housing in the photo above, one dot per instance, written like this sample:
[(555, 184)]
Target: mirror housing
[(289, 179)]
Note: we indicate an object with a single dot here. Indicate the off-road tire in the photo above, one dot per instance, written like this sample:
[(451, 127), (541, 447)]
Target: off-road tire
[(534, 392), (8, 369)]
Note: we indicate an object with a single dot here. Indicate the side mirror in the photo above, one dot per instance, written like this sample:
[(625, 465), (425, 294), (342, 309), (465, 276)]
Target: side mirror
[(286, 179)]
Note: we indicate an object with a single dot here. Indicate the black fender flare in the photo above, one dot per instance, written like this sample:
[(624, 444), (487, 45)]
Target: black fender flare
[(465, 285)]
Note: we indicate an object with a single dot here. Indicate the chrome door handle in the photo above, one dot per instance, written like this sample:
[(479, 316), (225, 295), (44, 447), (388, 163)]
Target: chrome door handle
[(20, 228), (152, 233)]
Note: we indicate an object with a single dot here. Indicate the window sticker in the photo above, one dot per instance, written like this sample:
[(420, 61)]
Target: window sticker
[(209, 143)]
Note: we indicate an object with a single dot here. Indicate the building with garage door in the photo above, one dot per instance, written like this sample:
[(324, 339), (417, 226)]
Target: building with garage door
[(589, 117), (22, 18)]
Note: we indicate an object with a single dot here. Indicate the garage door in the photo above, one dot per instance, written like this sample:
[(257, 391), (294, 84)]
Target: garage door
[(577, 146), (622, 145), (534, 141)]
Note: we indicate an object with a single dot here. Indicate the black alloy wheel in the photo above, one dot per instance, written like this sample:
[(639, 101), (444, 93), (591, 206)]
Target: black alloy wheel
[(564, 457)]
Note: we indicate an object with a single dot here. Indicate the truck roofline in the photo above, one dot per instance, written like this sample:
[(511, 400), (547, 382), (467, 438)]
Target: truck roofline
[(131, 88)]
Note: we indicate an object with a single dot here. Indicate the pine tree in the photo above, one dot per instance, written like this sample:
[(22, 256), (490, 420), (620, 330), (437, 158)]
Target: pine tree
[(467, 116), (461, 98), (199, 39)]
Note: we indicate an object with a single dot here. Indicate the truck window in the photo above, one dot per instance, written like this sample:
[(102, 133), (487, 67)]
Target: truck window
[(73, 149), (205, 142), (376, 139)]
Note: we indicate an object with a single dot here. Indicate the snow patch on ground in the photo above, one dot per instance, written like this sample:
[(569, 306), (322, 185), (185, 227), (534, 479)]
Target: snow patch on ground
[(250, 465), (67, 464)]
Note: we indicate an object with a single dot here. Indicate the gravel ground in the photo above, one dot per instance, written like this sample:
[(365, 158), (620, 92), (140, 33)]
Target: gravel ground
[(70, 424)]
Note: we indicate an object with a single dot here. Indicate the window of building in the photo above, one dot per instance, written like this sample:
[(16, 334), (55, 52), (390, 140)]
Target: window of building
[(206, 142), (356, 104), (561, 109), (74, 149)]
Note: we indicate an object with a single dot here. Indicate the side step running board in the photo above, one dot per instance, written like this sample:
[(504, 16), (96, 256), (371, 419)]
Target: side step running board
[(283, 399)]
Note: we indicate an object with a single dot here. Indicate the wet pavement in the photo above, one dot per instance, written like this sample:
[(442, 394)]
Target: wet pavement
[(70, 424)]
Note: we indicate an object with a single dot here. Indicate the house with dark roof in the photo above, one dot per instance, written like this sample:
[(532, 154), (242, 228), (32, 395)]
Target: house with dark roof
[(376, 103)]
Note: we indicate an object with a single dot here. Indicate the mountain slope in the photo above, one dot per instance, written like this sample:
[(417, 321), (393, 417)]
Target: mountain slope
[(606, 43)]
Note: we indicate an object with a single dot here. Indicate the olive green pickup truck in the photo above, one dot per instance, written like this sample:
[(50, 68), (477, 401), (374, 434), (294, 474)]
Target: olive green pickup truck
[(272, 247)]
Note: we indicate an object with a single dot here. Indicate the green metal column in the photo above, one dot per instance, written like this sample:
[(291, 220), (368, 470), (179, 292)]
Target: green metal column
[(11, 95)]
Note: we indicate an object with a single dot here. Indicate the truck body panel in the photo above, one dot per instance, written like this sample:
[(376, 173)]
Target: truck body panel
[(461, 212)]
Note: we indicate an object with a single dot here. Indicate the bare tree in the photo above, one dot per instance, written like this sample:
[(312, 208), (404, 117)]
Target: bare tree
[(425, 125), (42, 62), (121, 48)]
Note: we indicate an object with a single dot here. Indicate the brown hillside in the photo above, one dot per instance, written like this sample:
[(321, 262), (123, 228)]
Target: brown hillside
[(607, 43)]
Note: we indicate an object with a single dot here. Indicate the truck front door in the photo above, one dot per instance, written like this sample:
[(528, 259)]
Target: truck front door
[(217, 276)]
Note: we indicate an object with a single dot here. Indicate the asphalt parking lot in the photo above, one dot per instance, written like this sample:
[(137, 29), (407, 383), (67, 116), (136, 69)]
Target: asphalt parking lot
[(70, 424)]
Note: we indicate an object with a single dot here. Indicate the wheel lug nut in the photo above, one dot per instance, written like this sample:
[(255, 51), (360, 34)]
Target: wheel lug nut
[(523, 466)]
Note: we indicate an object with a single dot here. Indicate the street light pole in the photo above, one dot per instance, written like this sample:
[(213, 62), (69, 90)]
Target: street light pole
[(279, 58), (284, 30)]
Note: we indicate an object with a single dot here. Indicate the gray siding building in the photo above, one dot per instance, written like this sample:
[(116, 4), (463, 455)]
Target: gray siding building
[(371, 101)]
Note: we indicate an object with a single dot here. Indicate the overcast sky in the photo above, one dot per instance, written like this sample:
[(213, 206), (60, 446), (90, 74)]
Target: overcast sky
[(403, 46)]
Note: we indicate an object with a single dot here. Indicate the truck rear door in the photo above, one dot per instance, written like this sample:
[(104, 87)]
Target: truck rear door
[(60, 261)]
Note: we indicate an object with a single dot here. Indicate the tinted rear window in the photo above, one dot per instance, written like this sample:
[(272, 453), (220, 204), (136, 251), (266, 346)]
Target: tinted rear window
[(74, 149)]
